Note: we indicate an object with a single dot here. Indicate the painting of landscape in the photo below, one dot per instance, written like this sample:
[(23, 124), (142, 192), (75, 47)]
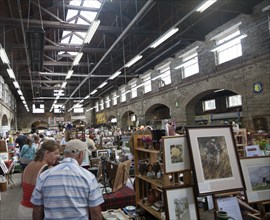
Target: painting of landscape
[(259, 177)]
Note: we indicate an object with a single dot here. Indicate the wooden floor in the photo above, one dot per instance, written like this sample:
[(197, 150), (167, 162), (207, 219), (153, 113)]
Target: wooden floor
[(10, 201)]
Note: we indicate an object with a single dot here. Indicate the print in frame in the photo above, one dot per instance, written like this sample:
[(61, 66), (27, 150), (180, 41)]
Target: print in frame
[(215, 159), (256, 171), (176, 154), (180, 203)]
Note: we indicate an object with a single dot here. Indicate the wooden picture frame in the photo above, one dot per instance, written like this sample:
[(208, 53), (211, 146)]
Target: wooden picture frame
[(175, 154), (215, 159), (257, 178), (118, 174), (180, 203)]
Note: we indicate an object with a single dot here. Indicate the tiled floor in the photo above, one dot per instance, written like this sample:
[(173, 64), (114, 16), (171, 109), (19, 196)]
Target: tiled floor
[(10, 201)]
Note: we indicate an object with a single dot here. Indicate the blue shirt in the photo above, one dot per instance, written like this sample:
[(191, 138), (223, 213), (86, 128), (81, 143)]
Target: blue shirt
[(28, 152), (67, 191)]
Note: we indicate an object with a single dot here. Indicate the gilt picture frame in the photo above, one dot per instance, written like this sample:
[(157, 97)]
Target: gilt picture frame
[(180, 203), (175, 154), (214, 159), (256, 172)]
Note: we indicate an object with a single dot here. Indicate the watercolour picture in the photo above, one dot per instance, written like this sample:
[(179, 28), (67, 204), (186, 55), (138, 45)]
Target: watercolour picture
[(180, 203), (176, 153), (259, 177), (181, 207)]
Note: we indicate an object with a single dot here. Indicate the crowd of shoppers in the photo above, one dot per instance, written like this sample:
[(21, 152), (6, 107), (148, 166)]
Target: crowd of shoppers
[(54, 189)]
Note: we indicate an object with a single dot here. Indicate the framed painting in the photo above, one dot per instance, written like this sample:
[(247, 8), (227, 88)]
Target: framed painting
[(253, 151), (215, 159), (175, 153), (103, 153), (180, 203), (256, 171)]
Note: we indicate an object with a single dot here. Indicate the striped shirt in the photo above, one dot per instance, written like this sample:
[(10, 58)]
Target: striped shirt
[(67, 191)]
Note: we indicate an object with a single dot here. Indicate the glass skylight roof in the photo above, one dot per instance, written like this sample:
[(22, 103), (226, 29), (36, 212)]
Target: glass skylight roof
[(79, 17)]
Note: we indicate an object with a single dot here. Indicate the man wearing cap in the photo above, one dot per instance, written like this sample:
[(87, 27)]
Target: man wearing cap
[(68, 191)]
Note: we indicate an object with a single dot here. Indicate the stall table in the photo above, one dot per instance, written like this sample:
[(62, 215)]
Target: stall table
[(119, 199)]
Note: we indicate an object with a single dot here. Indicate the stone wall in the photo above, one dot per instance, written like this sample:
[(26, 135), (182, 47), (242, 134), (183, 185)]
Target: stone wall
[(237, 75)]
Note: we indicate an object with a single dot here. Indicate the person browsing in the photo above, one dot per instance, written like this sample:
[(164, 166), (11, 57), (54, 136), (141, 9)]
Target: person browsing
[(68, 191), (46, 156)]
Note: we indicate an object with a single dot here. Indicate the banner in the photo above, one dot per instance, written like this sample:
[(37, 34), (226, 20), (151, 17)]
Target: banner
[(100, 118)]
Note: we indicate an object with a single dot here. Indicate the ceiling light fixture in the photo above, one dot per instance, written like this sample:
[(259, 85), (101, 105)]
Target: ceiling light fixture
[(164, 37), (11, 73), (20, 92), (134, 60), (4, 56), (16, 84), (77, 59), (91, 31), (102, 85), (64, 85), (115, 75), (205, 5), (93, 92), (86, 97), (90, 109), (69, 74)]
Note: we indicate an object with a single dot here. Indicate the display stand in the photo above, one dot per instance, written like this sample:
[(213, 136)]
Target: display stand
[(261, 209), (228, 202), (118, 174), (149, 183)]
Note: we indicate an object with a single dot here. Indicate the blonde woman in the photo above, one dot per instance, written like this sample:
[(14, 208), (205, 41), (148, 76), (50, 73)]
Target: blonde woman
[(46, 156)]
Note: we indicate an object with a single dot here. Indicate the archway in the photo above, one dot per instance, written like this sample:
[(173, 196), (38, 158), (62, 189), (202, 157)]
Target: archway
[(79, 124), (12, 124), (5, 126), (112, 120), (39, 126), (155, 114), (127, 123), (214, 107)]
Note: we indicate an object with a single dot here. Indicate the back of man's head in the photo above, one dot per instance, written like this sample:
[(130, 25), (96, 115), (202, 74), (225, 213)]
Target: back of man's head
[(75, 146)]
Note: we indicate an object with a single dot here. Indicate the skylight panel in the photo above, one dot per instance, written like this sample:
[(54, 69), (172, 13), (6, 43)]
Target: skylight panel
[(65, 40), (89, 15), (66, 34), (76, 40), (73, 53), (76, 2), (81, 21), (92, 3), (71, 13), (81, 34)]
